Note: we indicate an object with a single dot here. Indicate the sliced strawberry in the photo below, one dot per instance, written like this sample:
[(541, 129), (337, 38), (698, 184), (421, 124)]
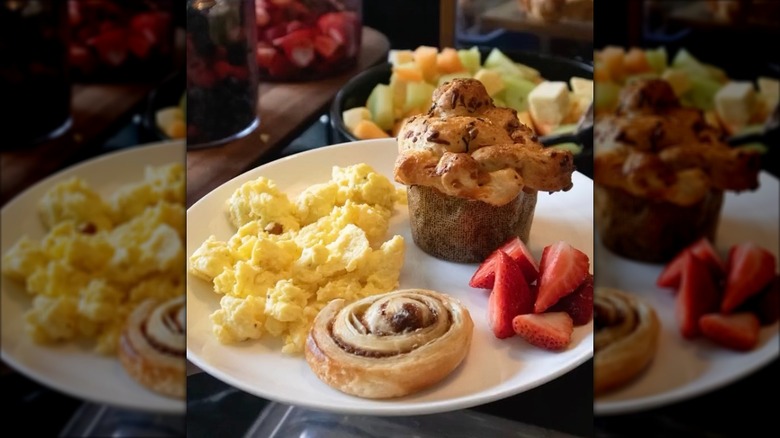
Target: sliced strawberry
[(199, 74), (274, 32), (551, 331), (485, 275), (154, 25), (703, 249), (578, 304), (751, 268), (765, 304), (510, 297), (140, 44), (738, 331), (562, 269), (111, 46), (342, 27), (265, 56), (81, 58), (697, 295), (325, 46), (298, 46), (294, 25)]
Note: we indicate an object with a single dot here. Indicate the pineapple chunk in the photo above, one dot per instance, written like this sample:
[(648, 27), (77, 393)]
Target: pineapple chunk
[(582, 87), (491, 79), (734, 103), (769, 89), (353, 116), (380, 104), (549, 103), (678, 79), (418, 95)]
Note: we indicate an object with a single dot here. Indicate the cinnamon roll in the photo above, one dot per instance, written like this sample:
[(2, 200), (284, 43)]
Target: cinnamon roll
[(152, 345), (626, 338), (389, 345)]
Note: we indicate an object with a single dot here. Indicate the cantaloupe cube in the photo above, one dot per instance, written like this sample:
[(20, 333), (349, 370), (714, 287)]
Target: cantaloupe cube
[(408, 71), (612, 59), (399, 94), (177, 129), (491, 79), (396, 127), (635, 62), (396, 57), (601, 73), (426, 58), (418, 95), (366, 130), (353, 116), (380, 104), (448, 61)]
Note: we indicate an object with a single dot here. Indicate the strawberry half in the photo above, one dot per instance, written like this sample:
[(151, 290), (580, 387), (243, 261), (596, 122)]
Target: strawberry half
[(111, 46), (703, 249), (578, 304), (738, 331), (765, 304), (751, 268), (485, 275), (510, 297), (562, 270), (551, 331), (697, 295)]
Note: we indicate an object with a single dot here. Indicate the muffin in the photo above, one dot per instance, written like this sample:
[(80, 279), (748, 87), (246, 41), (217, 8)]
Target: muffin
[(472, 172), (660, 172)]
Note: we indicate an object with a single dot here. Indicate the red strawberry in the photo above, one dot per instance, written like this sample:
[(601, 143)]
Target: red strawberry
[(562, 269), (265, 56), (81, 58), (551, 331), (342, 27), (298, 46), (702, 248), (325, 46), (696, 297), (738, 331), (510, 297), (139, 44), (579, 304), (485, 275), (111, 46), (751, 268), (765, 304)]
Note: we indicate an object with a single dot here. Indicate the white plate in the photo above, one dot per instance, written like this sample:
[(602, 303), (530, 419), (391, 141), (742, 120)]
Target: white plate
[(493, 369), (75, 369), (683, 369)]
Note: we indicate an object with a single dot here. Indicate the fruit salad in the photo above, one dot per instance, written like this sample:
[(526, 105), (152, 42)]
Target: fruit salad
[(546, 106), (307, 39), (170, 120), (730, 105), (120, 40), (221, 71)]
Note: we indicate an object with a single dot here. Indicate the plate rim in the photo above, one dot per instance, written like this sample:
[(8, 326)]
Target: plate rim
[(418, 408), (39, 377)]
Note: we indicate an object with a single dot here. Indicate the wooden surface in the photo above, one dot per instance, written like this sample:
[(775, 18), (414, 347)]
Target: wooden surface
[(98, 111), (286, 109), (509, 16)]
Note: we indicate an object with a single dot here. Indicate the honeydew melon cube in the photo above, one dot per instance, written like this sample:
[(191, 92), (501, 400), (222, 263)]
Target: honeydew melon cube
[(380, 104), (549, 103), (734, 103), (499, 102), (396, 57), (418, 95), (702, 92), (574, 148), (516, 92), (529, 73), (581, 87), (491, 79), (685, 61), (717, 73), (471, 59), (497, 60), (605, 97), (460, 75), (769, 89), (678, 79), (658, 59), (353, 116)]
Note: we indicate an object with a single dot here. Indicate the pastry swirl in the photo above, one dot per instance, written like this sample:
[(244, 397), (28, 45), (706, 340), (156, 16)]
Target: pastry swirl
[(626, 338), (389, 345), (152, 346)]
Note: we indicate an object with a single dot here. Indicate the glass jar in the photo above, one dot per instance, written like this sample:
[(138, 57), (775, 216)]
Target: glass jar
[(35, 89), (307, 39), (221, 71), (119, 40)]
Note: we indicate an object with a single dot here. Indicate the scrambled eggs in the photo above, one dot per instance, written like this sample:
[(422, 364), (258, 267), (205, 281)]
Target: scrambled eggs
[(101, 256), (288, 259)]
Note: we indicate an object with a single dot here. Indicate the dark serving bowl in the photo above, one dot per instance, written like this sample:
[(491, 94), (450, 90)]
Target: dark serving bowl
[(355, 92)]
